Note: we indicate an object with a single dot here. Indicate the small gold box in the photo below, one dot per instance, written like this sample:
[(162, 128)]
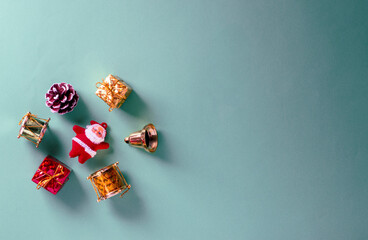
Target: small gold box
[(113, 91)]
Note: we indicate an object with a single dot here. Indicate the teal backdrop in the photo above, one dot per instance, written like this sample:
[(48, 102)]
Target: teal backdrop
[(261, 108)]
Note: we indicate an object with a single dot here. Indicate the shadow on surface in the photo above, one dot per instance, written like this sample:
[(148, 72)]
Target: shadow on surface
[(99, 161), (130, 205), (80, 114), (163, 148), (72, 194), (50, 144), (110, 140), (134, 105)]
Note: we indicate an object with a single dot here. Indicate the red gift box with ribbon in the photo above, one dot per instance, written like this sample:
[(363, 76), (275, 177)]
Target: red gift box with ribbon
[(51, 175)]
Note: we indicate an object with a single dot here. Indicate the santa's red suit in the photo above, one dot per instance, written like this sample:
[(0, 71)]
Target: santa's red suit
[(84, 146)]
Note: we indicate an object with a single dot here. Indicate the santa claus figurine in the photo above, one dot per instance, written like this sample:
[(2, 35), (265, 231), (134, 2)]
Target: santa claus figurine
[(88, 141)]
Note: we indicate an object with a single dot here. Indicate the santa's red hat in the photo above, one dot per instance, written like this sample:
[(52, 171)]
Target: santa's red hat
[(104, 125)]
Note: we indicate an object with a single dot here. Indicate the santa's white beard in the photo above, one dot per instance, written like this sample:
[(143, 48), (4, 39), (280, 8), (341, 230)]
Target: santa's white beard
[(93, 137)]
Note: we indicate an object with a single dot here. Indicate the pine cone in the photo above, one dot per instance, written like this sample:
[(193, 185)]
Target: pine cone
[(61, 98)]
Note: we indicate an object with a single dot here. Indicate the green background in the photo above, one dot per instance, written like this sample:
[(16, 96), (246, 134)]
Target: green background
[(261, 108)]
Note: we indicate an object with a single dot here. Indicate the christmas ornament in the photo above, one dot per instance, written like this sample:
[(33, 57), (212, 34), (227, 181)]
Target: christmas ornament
[(145, 138), (61, 98), (33, 128), (113, 91), (108, 182), (88, 141), (51, 175)]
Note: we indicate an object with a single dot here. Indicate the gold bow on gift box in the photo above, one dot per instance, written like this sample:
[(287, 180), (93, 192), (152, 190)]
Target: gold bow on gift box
[(113, 91), (58, 172)]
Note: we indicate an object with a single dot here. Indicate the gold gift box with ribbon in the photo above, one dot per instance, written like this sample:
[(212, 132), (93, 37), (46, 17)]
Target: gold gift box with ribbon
[(113, 91)]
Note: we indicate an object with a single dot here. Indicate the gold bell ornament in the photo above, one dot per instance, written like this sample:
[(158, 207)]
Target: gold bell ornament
[(145, 138)]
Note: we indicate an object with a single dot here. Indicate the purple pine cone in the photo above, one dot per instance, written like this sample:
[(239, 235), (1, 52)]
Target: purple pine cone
[(61, 98)]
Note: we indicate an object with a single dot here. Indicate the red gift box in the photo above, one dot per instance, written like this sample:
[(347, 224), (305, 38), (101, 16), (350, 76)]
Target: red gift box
[(51, 175)]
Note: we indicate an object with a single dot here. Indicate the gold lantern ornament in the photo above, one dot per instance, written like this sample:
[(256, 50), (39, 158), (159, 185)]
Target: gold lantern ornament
[(108, 182), (33, 128), (113, 91)]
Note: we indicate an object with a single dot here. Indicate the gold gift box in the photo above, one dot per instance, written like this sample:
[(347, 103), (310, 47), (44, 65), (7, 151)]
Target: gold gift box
[(113, 91)]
